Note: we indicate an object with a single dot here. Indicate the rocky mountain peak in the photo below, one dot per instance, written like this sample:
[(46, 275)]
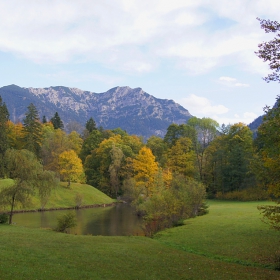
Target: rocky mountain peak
[(133, 110)]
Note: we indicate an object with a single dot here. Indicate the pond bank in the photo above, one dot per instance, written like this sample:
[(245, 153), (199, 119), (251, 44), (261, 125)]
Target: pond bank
[(63, 208)]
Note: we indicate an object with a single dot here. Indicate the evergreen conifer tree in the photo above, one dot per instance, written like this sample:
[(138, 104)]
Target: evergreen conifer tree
[(57, 122), (32, 130), (4, 117), (90, 125)]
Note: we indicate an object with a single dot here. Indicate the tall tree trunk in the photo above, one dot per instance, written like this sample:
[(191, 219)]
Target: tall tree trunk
[(12, 209)]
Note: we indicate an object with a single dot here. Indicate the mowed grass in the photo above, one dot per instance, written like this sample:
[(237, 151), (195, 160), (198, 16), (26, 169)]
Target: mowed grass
[(63, 197), (229, 243), (41, 254), (232, 232)]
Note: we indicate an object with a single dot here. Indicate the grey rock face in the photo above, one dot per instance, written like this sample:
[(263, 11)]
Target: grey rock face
[(133, 110)]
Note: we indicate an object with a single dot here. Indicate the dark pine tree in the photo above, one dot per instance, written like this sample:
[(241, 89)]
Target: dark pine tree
[(32, 130), (56, 121), (91, 125), (44, 120), (4, 117)]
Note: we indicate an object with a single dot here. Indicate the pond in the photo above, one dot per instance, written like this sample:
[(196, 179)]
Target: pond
[(109, 221)]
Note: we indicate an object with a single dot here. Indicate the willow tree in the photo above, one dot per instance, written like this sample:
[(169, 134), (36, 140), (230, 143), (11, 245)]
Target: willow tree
[(27, 174)]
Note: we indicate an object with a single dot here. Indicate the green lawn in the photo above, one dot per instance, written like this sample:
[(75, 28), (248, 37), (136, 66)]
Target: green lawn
[(63, 197), (232, 232), (228, 243)]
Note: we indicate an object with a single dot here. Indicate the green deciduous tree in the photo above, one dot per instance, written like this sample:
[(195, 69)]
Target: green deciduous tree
[(158, 147), (228, 160), (175, 131), (206, 129), (90, 143), (115, 167)]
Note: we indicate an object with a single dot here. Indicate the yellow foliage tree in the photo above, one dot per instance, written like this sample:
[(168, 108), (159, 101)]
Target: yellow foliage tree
[(145, 168), (181, 157), (70, 166), (15, 135)]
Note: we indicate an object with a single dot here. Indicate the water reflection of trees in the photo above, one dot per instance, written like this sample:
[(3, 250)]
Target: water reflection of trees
[(115, 220), (118, 220)]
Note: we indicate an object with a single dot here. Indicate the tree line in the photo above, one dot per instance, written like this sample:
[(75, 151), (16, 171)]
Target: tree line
[(160, 176)]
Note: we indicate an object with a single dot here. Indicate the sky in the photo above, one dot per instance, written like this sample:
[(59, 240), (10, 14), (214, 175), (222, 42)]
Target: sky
[(200, 53)]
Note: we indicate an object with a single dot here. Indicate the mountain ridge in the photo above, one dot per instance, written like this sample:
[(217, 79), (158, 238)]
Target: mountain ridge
[(133, 110)]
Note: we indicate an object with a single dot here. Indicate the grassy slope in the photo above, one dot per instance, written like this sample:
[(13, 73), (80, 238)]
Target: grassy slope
[(231, 232), (65, 197)]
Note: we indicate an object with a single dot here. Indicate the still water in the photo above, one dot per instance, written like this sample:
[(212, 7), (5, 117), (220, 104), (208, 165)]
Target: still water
[(114, 220)]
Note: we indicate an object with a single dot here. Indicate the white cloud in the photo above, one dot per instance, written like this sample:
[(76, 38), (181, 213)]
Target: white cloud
[(231, 82), (246, 118), (201, 106), (75, 77), (134, 36)]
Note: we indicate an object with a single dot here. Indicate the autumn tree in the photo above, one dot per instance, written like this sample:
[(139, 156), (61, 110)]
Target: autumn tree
[(27, 174), (270, 51), (181, 158), (100, 162), (70, 167), (15, 135), (145, 168), (32, 130), (56, 141), (268, 171), (56, 121), (4, 143)]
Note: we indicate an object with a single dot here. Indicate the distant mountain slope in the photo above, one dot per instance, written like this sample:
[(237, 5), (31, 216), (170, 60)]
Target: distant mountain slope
[(133, 110), (259, 120)]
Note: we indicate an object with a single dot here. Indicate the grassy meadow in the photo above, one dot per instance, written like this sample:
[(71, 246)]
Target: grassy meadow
[(229, 243), (63, 197)]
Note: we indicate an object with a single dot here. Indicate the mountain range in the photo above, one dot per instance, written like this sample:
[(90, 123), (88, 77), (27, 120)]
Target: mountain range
[(132, 110)]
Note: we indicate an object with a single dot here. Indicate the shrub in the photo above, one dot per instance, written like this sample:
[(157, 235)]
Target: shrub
[(4, 218), (249, 194), (79, 200), (65, 222)]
